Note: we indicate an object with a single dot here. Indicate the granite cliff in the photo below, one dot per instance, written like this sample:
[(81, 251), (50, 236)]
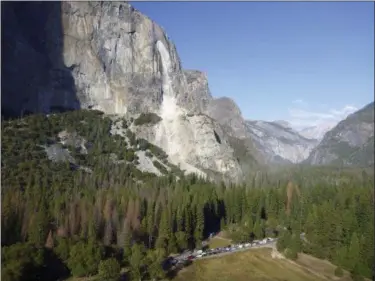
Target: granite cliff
[(349, 143), (109, 57), (279, 143)]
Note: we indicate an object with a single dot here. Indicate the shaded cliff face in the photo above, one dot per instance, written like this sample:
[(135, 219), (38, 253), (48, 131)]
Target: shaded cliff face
[(99, 55), (34, 76), (279, 143), (351, 142), (110, 57)]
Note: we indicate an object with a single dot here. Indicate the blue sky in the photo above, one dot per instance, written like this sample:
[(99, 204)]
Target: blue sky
[(304, 62)]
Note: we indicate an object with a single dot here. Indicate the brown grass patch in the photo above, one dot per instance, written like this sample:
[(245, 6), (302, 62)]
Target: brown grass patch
[(218, 242), (252, 265)]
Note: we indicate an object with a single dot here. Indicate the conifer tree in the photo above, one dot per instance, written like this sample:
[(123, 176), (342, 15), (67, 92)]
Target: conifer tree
[(38, 228), (258, 230), (137, 262), (154, 261), (353, 252), (164, 231), (198, 232)]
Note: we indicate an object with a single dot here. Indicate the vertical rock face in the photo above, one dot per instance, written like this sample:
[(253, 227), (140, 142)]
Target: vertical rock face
[(351, 142), (99, 55), (227, 113), (229, 116), (117, 57), (110, 57), (197, 96), (279, 143), (34, 76)]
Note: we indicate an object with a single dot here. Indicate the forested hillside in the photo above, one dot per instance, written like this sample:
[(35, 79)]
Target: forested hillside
[(92, 213)]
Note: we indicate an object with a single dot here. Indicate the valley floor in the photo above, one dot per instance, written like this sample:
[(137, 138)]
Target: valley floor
[(258, 265)]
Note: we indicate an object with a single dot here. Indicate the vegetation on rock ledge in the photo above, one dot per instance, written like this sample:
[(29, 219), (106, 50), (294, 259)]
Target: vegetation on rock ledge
[(147, 118)]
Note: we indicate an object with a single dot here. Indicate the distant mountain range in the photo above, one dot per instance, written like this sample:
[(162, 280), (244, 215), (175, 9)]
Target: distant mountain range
[(349, 143), (278, 142), (317, 132)]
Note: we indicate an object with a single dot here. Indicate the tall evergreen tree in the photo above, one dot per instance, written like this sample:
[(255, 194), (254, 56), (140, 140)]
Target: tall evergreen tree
[(137, 262)]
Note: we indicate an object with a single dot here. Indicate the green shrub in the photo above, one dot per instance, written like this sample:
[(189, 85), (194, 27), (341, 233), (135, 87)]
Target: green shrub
[(62, 248), (143, 144), (339, 272), (132, 138), (147, 118), (109, 270), (291, 254), (160, 167), (130, 155), (84, 258), (158, 152), (20, 260)]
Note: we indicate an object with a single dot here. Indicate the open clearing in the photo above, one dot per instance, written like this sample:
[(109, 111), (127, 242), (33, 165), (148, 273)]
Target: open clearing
[(258, 265), (254, 265), (218, 242)]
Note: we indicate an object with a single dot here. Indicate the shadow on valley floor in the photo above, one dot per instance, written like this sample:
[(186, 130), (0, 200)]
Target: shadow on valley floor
[(34, 76)]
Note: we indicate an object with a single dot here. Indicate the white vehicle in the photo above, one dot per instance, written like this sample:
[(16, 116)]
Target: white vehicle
[(199, 256), (199, 252), (240, 246), (247, 245)]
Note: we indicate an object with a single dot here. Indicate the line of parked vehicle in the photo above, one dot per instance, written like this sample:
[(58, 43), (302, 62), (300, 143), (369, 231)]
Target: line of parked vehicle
[(188, 256), (231, 248)]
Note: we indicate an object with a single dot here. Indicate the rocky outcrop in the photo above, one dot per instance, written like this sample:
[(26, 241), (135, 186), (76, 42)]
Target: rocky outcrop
[(110, 57), (229, 116), (227, 113), (194, 142), (351, 142), (197, 95), (279, 143)]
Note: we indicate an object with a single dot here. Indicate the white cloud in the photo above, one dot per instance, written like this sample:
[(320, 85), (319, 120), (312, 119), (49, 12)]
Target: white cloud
[(300, 116), (300, 102)]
